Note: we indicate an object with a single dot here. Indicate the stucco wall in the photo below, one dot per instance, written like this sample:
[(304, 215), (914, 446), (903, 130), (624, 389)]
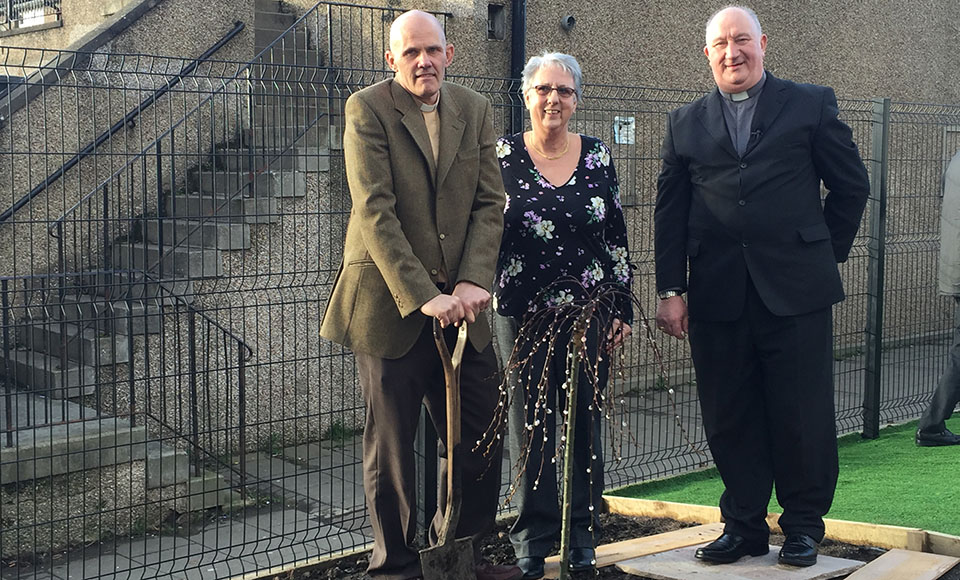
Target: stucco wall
[(864, 48), (78, 18)]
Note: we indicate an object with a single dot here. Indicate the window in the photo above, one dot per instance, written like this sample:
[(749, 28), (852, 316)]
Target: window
[(25, 15), (496, 22)]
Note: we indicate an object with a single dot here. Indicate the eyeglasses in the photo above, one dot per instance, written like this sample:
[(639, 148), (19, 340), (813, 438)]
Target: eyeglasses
[(564, 92)]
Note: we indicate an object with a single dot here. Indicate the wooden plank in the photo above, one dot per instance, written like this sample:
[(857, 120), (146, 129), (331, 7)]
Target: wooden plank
[(682, 512), (943, 544), (878, 535), (866, 534), (609, 554), (680, 564), (899, 564)]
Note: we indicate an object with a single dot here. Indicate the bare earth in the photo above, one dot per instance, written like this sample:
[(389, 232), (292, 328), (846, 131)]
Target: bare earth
[(616, 527)]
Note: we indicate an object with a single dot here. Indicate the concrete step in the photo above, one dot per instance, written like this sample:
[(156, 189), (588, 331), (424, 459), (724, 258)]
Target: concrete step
[(67, 448), (180, 261), (302, 159), (49, 376), (120, 285), (90, 346), (208, 490), (268, 7), (166, 465), (116, 316), (301, 116), (239, 209), (230, 183), (274, 137), (218, 235), (305, 102), (264, 37), (289, 62)]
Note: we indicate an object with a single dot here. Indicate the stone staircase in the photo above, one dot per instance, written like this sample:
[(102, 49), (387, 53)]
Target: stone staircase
[(66, 347)]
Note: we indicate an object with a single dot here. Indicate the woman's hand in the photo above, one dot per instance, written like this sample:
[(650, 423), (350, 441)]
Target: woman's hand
[(619, 331)]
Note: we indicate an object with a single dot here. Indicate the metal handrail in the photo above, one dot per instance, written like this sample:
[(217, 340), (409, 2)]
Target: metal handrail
[(145, 274), (127, 119), (245, 350), (237, 77)]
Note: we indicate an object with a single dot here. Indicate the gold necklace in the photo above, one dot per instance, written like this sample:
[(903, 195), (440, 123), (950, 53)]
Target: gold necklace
[(566, 147)]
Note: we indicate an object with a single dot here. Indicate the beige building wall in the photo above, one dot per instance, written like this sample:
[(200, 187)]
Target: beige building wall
[(862, 48)]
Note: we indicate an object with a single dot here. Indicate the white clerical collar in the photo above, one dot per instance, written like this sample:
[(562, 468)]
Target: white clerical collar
[(430, 108), (744, 95)]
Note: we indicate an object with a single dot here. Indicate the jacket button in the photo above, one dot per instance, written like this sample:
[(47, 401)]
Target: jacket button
[(744, 243), (742, 202), (442, 236), (743, 166), (433, 271)]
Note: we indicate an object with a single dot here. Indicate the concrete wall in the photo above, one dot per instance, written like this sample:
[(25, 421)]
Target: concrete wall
[(78, 18), (866, 48)]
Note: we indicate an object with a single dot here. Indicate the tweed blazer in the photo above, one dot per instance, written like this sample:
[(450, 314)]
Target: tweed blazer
[(758, 216), (414, 221)]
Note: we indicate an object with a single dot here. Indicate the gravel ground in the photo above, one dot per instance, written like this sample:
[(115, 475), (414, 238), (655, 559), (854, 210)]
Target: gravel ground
[(616, 527)]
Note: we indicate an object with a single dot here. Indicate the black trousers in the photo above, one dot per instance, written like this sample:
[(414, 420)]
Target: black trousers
[(393, 390), (532, 434), (766, 392), (947, 395)]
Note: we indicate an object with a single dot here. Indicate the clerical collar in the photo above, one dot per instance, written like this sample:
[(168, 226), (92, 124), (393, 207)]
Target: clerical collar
[(430, 108), (749, 93)]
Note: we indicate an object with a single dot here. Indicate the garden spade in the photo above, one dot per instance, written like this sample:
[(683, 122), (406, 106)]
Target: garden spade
[(451, 558)]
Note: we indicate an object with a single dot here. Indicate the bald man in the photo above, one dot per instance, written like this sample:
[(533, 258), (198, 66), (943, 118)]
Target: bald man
[(421, 245), (739, 207)]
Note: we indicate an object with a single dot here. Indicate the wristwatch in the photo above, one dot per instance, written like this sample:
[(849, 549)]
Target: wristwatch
[(669, 294)]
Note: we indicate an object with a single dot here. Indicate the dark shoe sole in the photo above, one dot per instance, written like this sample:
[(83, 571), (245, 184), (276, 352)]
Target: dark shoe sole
[(730, 560), (798, 562), (926, 443)]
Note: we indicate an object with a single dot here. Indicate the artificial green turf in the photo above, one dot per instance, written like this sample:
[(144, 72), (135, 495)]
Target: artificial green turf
[(882, 481)]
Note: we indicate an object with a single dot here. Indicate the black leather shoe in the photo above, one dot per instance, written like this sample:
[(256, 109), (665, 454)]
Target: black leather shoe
[(945, 437), (531, 566), (798, 550), (582, 559), (730, 548)]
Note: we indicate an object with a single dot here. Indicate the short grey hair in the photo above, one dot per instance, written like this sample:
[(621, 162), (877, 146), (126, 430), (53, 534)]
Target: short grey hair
[(748, 11), (564, 62)]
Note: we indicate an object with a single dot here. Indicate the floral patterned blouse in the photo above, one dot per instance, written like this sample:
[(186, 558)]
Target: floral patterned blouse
[(569, 239)]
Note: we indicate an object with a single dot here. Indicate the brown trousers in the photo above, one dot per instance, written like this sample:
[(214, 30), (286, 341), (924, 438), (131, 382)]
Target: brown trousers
[(393, 390)]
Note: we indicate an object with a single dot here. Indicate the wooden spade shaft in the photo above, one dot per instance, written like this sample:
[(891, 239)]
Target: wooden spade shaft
[(450, 558)]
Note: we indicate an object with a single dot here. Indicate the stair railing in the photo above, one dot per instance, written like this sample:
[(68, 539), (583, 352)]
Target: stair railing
[(127, 119), (212, 337)]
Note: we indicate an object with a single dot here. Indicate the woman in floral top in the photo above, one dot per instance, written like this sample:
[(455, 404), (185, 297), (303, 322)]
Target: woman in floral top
[(564, 243)]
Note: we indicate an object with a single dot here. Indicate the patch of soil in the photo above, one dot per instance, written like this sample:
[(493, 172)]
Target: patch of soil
[(497, 549)]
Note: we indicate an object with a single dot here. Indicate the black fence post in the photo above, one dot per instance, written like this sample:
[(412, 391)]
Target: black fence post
[(7, 353), (876, 251), (518, 59), (194, 397), (242, 416)]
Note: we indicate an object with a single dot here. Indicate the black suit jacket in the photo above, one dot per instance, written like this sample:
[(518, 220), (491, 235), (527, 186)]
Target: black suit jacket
[(760, 215)]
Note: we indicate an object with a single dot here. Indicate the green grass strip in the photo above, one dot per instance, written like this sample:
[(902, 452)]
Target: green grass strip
[(882, 481)]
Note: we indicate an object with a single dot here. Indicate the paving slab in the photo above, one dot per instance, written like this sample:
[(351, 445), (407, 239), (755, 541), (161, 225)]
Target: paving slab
[(609, 554), (149, 550), (680, 564), (211, 564), (23, 573), (105, 567)]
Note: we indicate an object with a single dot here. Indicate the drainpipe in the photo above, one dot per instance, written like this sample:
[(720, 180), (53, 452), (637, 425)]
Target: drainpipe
[(518, 58)]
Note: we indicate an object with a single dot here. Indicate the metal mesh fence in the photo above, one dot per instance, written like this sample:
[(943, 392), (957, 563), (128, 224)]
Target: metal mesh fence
[(169, 407)]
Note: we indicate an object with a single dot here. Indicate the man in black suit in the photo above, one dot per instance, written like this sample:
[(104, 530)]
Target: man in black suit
[(739, 202)]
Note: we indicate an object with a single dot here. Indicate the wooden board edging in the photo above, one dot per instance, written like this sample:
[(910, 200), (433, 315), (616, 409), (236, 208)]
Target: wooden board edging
[(877, 535)]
